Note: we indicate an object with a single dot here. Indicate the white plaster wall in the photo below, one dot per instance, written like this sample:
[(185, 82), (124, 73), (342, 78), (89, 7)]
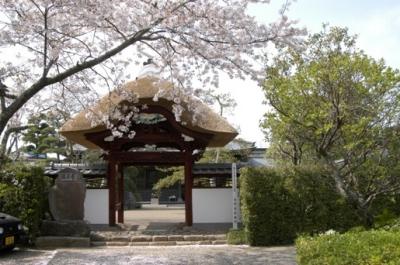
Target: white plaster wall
[(96, 206), (212, 205)]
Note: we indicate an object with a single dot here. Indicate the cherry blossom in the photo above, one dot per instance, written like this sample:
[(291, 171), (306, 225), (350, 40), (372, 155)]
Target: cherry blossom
[(70, 48)]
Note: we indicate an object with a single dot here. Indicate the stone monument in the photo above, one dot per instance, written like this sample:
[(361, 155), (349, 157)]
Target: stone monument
[(67, 196), (66, 202)]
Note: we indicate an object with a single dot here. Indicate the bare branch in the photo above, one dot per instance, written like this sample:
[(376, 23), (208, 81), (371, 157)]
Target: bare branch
[(116, 29), (7, 133)]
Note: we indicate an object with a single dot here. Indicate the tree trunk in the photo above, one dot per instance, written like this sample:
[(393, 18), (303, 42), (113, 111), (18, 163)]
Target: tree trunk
[(361, 206), (217, 155), (355, 199), (4, 141), (368, 218)]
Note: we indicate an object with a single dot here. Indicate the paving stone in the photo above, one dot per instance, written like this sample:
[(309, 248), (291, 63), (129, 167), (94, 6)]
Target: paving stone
[(62, 242), (175, 238), (98, 243), (169, 238), (205, 242), (163, 243), (120, 238), (193, 237), (98, 237), (117, 243), (187, 243), (219, 242), (160, 238), (139, 244), (210, 237), (220, 237), (141, 238)]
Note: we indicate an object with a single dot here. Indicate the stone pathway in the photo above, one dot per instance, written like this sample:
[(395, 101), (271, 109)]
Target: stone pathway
[(126, 239), (191, 255), (156, 234), (157, 228)]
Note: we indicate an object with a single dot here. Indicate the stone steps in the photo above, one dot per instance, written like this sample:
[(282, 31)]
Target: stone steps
[(157, 240)]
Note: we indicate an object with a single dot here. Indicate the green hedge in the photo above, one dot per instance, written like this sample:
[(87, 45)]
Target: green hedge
[(23, 193), (279, 204), (266, 206), (353, 248)]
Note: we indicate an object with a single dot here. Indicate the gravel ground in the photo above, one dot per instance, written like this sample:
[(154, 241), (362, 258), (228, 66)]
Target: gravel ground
[(153, 255), (158, 213)]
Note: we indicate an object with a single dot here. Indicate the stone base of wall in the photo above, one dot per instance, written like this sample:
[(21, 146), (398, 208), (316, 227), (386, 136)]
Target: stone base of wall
[(52, 242)]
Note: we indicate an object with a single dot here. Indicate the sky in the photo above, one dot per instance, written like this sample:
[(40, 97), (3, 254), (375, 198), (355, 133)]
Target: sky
[(376, 22)]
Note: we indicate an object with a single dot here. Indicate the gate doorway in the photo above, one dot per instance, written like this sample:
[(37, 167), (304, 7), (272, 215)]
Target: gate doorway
[(140, 187), (147, 208), (135, 129)]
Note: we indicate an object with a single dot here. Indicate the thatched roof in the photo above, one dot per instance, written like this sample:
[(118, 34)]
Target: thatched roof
[(146, 88)]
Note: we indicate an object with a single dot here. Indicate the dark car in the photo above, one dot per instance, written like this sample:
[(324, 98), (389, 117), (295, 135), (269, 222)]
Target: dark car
[(11, 231)]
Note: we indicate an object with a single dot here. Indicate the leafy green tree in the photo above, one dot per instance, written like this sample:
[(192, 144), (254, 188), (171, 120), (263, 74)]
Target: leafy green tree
[(174, 175), (42, 136), (334, 105)]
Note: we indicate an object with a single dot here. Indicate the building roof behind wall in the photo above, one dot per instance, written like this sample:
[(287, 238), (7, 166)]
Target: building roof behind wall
[(257, 158)]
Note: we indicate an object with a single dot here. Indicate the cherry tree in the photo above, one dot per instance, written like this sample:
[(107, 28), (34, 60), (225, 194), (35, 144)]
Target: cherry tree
[(68, 47)]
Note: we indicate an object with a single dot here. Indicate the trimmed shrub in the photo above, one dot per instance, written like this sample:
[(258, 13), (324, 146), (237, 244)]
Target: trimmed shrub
[(236, 237), (267, 207), (279, 204), (23, 194), (353, 248)]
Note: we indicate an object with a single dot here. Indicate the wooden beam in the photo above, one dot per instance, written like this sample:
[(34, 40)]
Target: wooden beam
[(111, 192), (121, 194), (142, 137), (148, 158), (188, 188)]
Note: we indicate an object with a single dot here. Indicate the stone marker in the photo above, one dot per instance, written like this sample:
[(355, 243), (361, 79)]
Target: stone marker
[(67, 196)]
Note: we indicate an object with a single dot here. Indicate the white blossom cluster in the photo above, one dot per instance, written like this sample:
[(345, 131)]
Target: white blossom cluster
[(119, 116), (74, 46)]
